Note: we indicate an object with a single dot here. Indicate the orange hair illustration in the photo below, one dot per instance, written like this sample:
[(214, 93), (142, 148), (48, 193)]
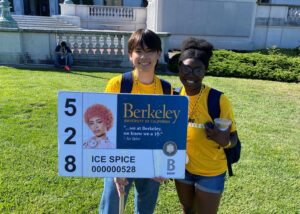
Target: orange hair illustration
[(101, 111)]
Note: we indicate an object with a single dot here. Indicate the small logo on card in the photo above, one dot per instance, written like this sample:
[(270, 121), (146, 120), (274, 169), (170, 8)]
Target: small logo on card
[(170, 148)]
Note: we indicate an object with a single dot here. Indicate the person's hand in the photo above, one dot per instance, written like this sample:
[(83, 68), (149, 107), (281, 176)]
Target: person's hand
[(120, 184), (159, 179), (213, 133)]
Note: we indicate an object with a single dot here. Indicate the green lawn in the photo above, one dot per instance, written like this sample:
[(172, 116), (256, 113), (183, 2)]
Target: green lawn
[(267, 179)]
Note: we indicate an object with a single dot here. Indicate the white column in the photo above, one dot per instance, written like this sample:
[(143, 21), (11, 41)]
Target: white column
[(68, 9), (163, 15), (152, 13), (53, 6), (19, 7)]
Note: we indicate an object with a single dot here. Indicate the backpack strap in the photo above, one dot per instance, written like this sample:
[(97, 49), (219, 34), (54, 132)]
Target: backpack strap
[(214, 110), (127, 83), (213, 103), (166, 86)]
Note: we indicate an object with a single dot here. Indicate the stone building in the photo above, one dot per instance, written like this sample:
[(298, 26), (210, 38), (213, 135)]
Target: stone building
[(98, 32), (51, 7)]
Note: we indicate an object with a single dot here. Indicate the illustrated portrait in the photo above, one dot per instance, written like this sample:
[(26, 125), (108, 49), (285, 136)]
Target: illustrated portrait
[(99, 120)]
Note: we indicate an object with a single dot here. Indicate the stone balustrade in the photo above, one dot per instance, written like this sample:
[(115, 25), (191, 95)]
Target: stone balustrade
[(92, 48), (105, 17), (104, 45), (116, 13), (97, 47)]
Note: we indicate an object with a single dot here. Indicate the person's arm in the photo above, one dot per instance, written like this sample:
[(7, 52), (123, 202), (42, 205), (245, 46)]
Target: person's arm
[(160, 179), (68, 50), (57, 50), (232, 140), (224, 138), (63, 51), (120, 185), (228, 138)]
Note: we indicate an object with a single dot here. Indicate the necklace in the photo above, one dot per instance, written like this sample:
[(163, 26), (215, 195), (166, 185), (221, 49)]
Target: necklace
[(96, 142), (191, 119), (138, 88)]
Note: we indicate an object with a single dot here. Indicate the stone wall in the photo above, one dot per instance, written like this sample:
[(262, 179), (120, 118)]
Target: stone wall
[(106, 49), (277, 26), (228, 24)]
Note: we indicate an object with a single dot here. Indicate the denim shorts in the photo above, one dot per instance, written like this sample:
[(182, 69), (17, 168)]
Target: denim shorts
[(211, 184)]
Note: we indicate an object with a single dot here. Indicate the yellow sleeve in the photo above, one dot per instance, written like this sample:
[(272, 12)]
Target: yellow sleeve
[(114, 85), (226, 111)]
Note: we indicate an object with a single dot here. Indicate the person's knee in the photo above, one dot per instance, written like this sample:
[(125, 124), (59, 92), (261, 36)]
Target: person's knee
[(70, 59), (56, 62), (110, 200), (188, 209)]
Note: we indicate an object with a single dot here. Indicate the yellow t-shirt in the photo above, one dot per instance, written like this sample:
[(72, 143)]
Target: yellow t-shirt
[(205, 157), (114, 85)]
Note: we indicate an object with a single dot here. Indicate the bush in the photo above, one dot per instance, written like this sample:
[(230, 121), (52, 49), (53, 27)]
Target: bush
[(274, 64), (173, 63)]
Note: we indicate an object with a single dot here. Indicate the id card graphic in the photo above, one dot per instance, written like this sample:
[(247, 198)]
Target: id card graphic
[(121, 135)]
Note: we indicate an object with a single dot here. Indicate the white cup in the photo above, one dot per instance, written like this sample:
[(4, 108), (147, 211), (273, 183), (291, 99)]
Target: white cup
[(222, 123)]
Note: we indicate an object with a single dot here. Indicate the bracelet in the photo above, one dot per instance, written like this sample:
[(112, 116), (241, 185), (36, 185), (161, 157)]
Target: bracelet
[(227, 146)]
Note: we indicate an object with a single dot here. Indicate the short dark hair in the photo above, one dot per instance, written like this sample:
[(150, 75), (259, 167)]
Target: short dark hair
[(63, 43), (199, 49), (143, 37)]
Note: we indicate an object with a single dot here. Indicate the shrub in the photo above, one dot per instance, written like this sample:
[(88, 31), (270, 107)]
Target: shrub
[(173, 63), (273, 64)]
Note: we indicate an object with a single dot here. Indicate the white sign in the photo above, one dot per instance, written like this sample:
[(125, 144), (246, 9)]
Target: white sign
[(121, 135)]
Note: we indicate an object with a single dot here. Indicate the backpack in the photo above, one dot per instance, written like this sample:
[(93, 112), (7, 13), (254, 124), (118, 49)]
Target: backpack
[(213, 104), (127, 83)]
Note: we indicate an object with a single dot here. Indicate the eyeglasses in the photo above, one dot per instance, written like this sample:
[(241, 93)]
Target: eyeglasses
[(197, 71)]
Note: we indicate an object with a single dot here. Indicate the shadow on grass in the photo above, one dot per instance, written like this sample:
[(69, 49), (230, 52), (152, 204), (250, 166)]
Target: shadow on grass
[(74, 71), (82, 73), (87, 72)]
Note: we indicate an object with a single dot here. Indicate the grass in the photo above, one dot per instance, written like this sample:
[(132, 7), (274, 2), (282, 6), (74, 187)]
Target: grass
[(267, 179)]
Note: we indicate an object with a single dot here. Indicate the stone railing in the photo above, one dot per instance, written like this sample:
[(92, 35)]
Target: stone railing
[(118, 13), (92, 48), (97, 47), (105, 17)]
